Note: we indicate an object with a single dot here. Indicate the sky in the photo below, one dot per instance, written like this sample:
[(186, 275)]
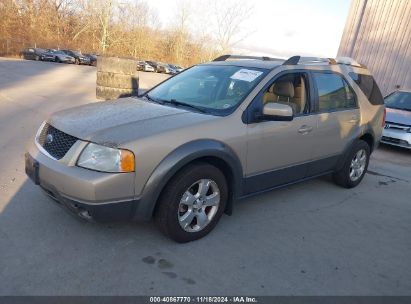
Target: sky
[(282, 28)]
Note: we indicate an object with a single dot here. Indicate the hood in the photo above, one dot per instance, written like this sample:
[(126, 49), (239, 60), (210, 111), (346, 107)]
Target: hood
[(117, 122), (398, 116)]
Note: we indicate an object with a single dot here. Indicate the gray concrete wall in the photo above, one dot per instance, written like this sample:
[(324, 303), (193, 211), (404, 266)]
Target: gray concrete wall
[(378, 34)]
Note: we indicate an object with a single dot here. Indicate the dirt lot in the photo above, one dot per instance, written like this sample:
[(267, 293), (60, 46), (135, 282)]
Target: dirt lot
[(312, 238)]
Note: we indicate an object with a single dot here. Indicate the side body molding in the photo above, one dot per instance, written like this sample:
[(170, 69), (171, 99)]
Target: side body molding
[(177, 159)]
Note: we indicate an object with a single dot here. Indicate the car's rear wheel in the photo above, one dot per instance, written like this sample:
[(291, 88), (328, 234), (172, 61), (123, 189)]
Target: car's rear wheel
[(355, 166), (192, 203), (77, 61), (37, 58)]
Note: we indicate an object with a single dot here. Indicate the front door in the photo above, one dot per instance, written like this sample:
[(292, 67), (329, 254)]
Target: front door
[(278, 151)]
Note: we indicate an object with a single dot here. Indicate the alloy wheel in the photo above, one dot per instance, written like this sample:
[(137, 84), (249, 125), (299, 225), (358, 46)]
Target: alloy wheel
[(198, 205), (358, 164)]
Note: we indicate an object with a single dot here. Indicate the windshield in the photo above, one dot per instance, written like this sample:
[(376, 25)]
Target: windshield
[(215, 89), (399, 100)]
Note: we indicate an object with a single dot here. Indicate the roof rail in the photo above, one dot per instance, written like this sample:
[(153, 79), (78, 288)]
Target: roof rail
[(349, 61), (226, 57), (294, 60)]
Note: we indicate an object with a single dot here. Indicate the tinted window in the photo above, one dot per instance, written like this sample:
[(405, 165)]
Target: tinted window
[(399, 100), (333, 92), (369, 87)]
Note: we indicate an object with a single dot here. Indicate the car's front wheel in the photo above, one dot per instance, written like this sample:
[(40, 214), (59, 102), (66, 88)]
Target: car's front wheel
[(192, 203), (355, 166)]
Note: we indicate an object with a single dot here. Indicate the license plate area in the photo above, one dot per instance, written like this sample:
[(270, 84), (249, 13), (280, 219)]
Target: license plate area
[(32, 169)]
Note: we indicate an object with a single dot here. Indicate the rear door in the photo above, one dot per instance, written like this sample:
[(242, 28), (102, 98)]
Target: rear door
[(338, 118)]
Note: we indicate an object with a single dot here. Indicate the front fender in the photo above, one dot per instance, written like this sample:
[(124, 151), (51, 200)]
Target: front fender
[(179, 158)]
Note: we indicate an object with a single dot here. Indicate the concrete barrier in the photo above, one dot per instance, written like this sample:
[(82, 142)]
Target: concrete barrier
[(116, 77)]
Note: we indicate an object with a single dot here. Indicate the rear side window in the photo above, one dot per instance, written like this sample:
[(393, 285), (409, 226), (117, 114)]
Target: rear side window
[(333, 92), (369, 87)]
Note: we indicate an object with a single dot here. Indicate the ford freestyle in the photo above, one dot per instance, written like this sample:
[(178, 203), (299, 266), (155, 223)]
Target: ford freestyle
[(183, 152)]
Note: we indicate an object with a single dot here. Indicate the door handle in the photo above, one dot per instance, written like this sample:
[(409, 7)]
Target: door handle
[(305, 129)]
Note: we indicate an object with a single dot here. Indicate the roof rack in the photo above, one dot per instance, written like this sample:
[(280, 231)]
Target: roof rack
[(226, 57), (294, 60), (349, 61)]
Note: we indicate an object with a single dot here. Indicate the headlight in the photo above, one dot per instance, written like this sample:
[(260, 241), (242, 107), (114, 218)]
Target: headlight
[(101, 158)]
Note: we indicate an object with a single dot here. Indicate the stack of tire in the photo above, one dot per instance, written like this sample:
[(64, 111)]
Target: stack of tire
[(116, 78)]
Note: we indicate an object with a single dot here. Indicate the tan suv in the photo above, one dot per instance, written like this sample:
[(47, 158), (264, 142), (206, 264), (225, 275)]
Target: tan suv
[(187, 149)]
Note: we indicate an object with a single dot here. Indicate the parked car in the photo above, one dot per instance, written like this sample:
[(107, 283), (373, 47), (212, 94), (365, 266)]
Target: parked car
[(397, 130), (154, 64), (93, 59), (166, 68), (188, 148), (78, 57), (32, 53), (177, 68), (144, 66), (57, 56)]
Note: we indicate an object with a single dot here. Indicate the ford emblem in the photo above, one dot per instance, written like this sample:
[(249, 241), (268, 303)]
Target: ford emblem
[(49, 138)]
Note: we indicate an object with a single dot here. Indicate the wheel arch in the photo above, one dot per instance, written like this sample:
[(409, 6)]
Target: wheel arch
[(366, 135), (369, 139), (210, 151)]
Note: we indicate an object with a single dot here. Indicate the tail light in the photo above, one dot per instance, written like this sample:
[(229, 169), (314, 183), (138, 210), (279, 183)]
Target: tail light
[(383, 117)]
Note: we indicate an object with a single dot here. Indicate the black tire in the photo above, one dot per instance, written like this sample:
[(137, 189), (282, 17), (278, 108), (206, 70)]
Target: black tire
[(37, 58), (166, 214), (77, 61), (342, 177)]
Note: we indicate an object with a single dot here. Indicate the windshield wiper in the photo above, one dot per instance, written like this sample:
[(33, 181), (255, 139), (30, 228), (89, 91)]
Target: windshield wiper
[(180, 103), (152, 99)]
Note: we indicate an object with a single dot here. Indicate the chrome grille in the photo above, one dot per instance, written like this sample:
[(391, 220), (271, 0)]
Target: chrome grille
[(393, 125), (55, 142)]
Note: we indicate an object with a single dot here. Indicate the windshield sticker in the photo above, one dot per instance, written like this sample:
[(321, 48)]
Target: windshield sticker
[(246, 75)]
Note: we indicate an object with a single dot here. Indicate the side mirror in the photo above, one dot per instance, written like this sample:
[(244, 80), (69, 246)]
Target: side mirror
[(277, 112)]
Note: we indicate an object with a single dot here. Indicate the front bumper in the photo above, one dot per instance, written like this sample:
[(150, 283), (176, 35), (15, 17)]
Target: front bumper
[(68, 60), (395, 137), (92, 195), (84, 61)]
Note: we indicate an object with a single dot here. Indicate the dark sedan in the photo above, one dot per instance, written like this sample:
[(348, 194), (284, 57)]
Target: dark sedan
[(93, 59), (57, 56), (32, 53), (78, 57)]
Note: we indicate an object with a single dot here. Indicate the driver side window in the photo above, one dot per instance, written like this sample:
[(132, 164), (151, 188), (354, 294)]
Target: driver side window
[(290, 89)]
